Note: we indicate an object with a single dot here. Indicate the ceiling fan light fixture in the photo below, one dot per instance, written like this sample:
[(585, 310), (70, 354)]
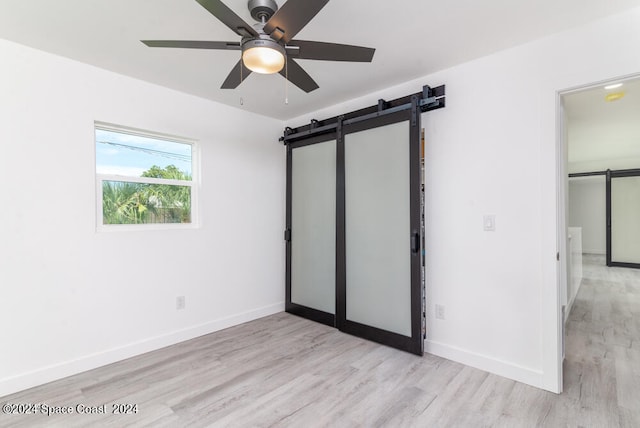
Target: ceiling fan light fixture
[(265, 46), (263, 56)]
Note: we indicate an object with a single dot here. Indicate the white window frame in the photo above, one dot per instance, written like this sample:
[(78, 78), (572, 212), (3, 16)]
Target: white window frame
[(193, 183)]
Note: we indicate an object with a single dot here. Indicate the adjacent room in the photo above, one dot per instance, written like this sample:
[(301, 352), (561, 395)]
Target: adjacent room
[(318, 213), (603, 290)]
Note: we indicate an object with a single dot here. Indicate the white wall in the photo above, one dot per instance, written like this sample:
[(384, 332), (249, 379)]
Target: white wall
[(587, 209), (493, 150), (74, 299)]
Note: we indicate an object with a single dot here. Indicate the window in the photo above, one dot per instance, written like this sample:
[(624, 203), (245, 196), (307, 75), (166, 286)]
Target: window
[(143, 179)]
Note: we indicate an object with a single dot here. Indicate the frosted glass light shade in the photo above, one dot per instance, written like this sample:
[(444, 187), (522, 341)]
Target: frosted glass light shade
[(263, 56)]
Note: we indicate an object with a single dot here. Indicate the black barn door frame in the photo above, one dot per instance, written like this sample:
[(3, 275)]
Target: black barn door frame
[(611, 174), (415, 343), (294, 308), (407, 108)]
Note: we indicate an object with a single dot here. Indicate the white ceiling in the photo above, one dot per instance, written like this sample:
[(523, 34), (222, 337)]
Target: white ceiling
[(601, 130), (412, 37)]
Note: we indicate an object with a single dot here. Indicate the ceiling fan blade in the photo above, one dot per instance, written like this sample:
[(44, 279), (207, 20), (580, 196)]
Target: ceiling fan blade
[(228, 17), (233, 79), (192, 44), (292, 17), (296, 75), (330, 51)]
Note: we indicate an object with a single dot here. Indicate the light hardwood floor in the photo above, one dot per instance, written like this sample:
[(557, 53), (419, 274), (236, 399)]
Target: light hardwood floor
[(285, 371)]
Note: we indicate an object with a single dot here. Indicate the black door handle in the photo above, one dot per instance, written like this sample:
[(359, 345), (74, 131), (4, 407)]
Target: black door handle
[(415, 242)]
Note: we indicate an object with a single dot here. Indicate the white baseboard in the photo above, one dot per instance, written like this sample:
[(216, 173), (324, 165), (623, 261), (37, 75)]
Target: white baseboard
[(596, 252), (53, 372), (502, 368)]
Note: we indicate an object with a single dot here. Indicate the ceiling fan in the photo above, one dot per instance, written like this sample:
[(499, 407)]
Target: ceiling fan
[(269, 46)]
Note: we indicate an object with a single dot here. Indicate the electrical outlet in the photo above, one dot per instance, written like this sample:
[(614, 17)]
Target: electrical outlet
[(439, 312), (489, 223), (180, 303)]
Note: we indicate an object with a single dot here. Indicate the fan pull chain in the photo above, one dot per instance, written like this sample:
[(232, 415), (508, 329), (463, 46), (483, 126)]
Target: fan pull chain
[(241, 67), (286, 79)]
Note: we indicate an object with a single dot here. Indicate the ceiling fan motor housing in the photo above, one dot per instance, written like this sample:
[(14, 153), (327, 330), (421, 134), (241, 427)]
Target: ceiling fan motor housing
[(262, 10), (262, 41)]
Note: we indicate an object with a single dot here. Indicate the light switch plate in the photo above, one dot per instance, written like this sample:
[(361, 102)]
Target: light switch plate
[(489, 222)]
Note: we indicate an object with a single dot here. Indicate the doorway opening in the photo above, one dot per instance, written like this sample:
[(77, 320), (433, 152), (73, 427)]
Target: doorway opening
[(599, 211)]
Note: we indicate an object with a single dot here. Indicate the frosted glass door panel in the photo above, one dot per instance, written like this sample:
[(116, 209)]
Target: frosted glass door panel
[(313, 226), (625, 219), (377, 223)]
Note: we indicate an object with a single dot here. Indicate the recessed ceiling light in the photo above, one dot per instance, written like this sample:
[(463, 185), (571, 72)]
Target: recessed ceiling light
[(614, 86), (614, 96)]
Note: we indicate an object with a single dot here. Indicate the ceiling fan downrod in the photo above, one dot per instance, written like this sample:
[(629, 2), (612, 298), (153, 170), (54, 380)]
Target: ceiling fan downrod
[(262, 10)]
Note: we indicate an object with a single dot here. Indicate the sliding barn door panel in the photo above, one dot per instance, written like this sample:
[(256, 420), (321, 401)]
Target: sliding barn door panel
[(378, 229), (625, 219), (313, 226)]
